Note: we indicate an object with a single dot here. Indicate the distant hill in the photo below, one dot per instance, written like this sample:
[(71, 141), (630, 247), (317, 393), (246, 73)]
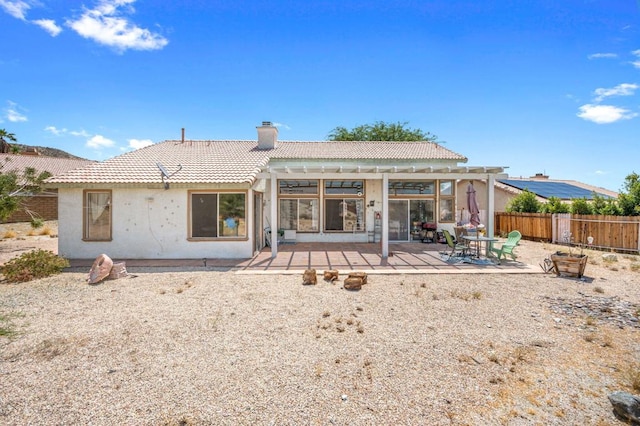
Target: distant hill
[(47, 152)]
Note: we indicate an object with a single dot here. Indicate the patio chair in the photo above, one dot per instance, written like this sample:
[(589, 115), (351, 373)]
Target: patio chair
[(457, 249), (507, 247)]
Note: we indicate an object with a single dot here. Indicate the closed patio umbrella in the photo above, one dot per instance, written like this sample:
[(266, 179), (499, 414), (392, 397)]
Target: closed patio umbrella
[(472, 205)]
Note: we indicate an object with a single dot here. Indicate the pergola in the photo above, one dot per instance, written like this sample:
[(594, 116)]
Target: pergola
[(277, 170)]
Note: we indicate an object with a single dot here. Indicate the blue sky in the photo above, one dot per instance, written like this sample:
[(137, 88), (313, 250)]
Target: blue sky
[(538, 86)]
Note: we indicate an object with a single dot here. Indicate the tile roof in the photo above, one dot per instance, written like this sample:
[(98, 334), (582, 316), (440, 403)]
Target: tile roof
[(364, 151), (53, 165), (238, 161)]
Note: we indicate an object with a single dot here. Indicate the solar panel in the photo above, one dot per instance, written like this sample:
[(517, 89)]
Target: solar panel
[(562, 190)]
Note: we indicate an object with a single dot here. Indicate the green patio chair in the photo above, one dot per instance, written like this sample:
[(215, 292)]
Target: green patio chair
[(457, 249), (507, 247)]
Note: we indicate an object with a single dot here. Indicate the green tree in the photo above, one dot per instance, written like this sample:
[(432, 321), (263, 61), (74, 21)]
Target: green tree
[(525, 202), (5, 146), (555, 205), (16, 187), (4, 135), (629, 198), (381, 131), (605, 206), (580, 206)]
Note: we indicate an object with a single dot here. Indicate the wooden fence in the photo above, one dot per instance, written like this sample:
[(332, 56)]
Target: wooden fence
[(620, 233), (532, 226)]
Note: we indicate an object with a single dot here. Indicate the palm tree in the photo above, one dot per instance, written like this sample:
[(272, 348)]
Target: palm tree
[(5, 147)]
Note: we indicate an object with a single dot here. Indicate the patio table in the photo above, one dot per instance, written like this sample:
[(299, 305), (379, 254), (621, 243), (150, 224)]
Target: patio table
[(479, 240)]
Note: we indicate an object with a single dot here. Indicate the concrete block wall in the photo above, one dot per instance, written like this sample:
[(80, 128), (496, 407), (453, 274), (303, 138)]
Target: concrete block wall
[(44, 206)]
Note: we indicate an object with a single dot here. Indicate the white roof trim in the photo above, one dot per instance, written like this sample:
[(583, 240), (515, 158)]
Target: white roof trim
[(377, 169)]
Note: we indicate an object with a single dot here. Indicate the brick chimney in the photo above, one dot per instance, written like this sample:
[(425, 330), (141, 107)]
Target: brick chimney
[(267, 135)]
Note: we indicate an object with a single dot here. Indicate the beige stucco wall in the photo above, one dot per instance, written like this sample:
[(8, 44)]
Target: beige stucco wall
[(147, 224), (501, 197)]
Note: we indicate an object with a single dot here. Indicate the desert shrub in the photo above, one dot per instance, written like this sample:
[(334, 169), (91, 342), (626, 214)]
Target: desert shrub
[(33, 265), (6, 328), (37, 223)]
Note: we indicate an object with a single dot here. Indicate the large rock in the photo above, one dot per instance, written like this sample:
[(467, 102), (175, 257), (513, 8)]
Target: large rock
[(331, 275), (352, 283), (626, 406), (100, 269), (361, 275), (309, 277)]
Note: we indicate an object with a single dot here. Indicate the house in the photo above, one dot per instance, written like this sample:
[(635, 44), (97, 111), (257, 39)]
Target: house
[(540, 184), (45, 204), (220, 199)]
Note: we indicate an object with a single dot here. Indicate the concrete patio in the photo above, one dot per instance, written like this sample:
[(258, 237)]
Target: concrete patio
[(404, 258)]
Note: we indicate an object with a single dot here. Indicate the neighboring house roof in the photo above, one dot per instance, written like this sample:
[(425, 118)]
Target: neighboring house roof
[(53, 165), (241, 161), (563, 189)]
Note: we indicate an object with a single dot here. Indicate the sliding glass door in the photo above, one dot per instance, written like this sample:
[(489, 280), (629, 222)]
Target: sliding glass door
[(406, 218), (398, 220)]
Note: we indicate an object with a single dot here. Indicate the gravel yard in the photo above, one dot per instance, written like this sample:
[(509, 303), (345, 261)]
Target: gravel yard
[(208, 347)]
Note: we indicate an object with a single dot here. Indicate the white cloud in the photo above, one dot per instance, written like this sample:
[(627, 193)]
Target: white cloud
[(55, 130), (636, 63), (99, 141), (81, 133), (12, 114), (139, 143), (17, 9), (602, 55), (604, 114), (105, 25), (284, 126), (624, 89), (65, 131), (49, 25)]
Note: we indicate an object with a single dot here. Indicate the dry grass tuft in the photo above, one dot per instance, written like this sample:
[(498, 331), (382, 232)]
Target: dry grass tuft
[(51, 348), (457, 294), (633, 376), (10, 234), (7, 328), (47, 231), (169, 420)]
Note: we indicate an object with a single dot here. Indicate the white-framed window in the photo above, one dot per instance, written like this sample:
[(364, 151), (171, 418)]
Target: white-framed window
[(299, 205), (299, 214), (344, 214), (298, 187), (217, 215), (344, 205), (412, 187), (447, 200), (97, 215)]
